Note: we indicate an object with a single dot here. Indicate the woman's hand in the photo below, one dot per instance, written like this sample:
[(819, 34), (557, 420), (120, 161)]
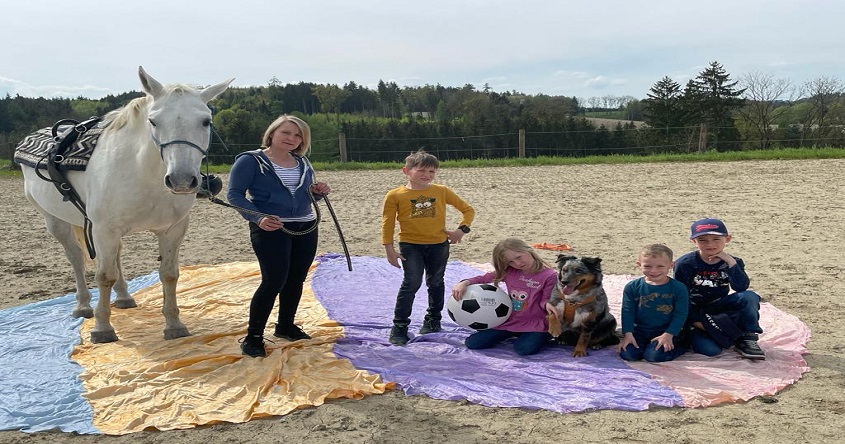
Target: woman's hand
[(321, 188), (269, 223)]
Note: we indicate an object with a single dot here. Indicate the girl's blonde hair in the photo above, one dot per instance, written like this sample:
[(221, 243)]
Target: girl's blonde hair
[(500, 264), (304, 148)]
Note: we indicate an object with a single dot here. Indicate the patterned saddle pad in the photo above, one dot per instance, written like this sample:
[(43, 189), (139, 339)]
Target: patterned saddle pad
[(32, 151)]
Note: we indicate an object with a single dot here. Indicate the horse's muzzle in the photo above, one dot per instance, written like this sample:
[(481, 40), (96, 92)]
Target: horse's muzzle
[(182, 184)]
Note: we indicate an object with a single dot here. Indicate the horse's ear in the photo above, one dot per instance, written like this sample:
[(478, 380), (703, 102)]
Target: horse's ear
[(151, 85), (208, 94)]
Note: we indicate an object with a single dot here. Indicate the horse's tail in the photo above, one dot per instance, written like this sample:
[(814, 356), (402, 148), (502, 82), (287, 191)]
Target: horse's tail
[(79, 235)]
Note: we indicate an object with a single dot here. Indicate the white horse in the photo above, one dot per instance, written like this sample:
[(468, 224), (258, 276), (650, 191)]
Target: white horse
[(143, 176)]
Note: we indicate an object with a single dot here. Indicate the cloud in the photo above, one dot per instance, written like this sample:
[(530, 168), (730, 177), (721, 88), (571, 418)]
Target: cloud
[(15, 87)]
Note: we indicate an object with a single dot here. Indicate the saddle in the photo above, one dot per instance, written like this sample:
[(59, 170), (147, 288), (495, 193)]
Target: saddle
[(64, 134), (74, 142)]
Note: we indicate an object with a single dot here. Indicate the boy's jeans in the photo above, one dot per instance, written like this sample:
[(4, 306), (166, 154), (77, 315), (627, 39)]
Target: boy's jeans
[(746, 304), (648, 350), (419, 258)]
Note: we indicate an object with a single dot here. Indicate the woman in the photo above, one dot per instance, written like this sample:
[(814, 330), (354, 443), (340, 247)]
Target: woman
[(280, 182)]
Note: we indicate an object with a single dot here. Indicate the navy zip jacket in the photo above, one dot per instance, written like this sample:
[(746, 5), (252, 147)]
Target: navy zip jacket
[(252, 172)]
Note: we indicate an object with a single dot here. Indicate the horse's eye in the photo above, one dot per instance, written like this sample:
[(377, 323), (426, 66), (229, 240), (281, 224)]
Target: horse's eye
[(206, 122), (151, 122)]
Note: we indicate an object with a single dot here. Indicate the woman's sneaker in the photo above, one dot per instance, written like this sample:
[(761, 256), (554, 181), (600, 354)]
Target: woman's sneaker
[(291, 333), (253, 346), (748, 348)]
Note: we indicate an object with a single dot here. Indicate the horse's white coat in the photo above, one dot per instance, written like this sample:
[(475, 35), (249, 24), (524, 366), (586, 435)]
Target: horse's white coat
[(132, 185)]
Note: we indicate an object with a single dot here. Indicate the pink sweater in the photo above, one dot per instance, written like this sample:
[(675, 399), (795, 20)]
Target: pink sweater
[(529, 293)]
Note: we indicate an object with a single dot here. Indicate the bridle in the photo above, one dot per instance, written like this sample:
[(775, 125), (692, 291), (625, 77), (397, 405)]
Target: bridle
[(162, 146)]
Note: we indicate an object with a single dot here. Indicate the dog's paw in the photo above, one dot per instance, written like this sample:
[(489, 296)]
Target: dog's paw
[(579, 353)]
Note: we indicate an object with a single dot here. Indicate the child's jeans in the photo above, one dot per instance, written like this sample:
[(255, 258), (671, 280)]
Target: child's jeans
[(419, 258), (527, 343), (744, 303), (648, 349)]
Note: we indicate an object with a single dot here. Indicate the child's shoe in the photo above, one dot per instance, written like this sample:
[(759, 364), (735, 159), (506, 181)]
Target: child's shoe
[(253, 346), (748, 348), (399, 335), (430, 326)]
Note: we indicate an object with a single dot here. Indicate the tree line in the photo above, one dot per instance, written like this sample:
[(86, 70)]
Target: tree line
[(756, 111)]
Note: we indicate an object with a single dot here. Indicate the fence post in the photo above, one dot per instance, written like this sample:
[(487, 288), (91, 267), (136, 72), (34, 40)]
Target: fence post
[(521, 149), (702, 138), (341, 141)]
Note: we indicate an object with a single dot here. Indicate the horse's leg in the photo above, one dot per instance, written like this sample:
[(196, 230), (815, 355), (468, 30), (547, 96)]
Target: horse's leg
[(168, 247), (64, 233), (124, 299), (108, 252)]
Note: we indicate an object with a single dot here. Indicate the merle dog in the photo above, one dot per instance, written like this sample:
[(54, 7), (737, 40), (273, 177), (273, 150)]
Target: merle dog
[(581, 315)]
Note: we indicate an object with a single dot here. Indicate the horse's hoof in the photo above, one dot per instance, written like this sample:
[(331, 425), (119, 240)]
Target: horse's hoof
[(173, 333), (125, 303), (86, 313), (99, 337)]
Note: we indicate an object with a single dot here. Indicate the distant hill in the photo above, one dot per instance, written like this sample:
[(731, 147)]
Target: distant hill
[(611, 123)]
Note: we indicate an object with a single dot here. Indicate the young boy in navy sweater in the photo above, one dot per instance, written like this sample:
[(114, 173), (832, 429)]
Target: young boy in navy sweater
[(722, 308)]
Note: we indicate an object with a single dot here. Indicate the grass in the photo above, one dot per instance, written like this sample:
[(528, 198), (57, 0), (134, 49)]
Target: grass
[(6, 169)]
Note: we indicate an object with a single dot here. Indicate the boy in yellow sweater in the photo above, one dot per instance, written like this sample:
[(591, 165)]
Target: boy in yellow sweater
[(420, 208)]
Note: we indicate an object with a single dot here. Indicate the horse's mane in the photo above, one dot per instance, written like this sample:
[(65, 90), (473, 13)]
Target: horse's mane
[(127, 114), (134, 111)]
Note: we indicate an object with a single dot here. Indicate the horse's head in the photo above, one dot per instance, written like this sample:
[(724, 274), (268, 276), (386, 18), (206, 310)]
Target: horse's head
[(180, 122)]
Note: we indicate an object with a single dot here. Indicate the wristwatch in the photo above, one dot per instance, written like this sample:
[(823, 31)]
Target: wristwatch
[(464, 228)]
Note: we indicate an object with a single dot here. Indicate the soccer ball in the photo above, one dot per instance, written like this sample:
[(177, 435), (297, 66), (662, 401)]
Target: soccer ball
[(483, 306)]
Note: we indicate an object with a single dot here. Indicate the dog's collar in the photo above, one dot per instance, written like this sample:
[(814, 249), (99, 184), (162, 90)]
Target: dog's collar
[(570, 307)]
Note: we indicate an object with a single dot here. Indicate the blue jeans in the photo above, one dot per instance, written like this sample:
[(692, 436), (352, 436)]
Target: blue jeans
[(419, 258), (648, 350), (744, 303), (527, 343)]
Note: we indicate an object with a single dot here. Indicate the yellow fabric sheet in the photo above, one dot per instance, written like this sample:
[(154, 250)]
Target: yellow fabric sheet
[(143, 381)]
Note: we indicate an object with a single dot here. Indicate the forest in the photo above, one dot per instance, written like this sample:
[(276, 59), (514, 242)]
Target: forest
[(710, 112)]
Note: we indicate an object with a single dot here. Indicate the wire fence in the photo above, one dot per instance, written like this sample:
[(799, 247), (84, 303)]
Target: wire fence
[(574, 143)]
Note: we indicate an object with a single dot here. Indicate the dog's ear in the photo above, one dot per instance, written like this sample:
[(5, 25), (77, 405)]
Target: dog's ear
[(593, 262), (562, 258)]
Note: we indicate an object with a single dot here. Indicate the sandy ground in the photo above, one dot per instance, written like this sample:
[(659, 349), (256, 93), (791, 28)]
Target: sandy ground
[(787, 218)]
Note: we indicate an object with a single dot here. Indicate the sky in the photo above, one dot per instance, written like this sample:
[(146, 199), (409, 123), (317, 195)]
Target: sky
[(92, 48)]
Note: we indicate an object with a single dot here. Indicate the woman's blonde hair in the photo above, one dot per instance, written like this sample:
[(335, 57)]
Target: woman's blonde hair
[(500, 264), (304, 148)]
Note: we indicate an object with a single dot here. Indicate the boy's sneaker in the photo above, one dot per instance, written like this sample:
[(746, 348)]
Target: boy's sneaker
[(430, 326), (291, 333), (748, 348), (399, 335), (253, 346)]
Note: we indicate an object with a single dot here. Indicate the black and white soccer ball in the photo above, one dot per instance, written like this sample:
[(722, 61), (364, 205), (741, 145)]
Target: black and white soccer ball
[(483, 306)]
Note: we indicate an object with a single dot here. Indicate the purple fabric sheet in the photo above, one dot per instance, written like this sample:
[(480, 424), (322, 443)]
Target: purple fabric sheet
[(438, 365)]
